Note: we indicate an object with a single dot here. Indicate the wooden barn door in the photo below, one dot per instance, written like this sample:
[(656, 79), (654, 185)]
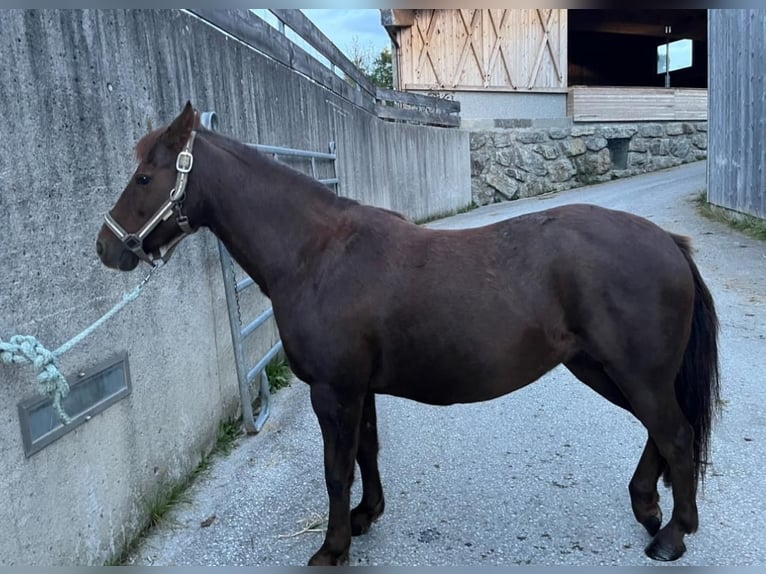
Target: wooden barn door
[(475, 49)]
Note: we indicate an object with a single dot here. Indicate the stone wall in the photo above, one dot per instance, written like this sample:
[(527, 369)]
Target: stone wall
[(510, 163)]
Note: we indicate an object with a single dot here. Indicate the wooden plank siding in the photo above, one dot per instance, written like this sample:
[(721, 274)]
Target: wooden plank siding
[(737, 125), (417, 108), (253, 31), (388, 104), (439, 104), (618, 104), (484, 49), (417, 116)]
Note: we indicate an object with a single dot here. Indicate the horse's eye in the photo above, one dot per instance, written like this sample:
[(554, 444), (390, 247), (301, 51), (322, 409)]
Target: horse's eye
[(143, 179)]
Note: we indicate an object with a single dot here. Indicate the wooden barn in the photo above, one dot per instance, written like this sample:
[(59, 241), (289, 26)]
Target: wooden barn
[(588, 65)]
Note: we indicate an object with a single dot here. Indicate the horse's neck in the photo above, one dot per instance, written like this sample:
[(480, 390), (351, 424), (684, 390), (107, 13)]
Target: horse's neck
[(270, 219)]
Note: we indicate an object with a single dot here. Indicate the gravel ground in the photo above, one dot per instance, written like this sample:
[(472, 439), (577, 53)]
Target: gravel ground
[(537, 477)]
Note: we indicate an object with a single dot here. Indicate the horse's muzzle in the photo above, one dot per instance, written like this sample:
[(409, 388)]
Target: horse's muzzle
[(116, 256)]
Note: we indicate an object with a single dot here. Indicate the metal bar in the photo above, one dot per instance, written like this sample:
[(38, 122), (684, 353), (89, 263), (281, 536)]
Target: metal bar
[(313, 156), (257, 322), (245, 283), (265, 411), (239, 357), (291, 151), (260, 365)]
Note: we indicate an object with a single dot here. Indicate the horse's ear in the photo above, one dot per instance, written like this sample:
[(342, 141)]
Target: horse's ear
[(178, 132)]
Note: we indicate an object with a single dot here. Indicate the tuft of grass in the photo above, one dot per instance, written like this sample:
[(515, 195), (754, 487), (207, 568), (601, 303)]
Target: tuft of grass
[(279, 374), (470, 207), (163, 501), (157, 508), (226, 440), (747, 224)]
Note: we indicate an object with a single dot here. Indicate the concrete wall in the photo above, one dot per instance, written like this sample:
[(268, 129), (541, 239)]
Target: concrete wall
[(77, 89)]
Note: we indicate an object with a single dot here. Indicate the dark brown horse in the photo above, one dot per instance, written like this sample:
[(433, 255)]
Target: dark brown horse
[(367, 302)]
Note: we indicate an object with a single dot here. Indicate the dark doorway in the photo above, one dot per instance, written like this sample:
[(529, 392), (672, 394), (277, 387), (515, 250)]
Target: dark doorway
[(619, 47)]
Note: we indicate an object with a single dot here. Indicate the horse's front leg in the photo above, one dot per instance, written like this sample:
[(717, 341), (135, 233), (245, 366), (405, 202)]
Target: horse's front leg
[(339, 414), (372, 504)]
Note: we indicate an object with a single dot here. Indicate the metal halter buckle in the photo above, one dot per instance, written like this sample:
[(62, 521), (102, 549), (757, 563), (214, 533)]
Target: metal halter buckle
[(132, 242), (184, 162)]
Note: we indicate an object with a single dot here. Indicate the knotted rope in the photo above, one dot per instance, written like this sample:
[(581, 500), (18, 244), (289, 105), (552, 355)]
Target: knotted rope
[(27, 350)]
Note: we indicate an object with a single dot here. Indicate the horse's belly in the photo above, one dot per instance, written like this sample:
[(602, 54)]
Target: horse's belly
[(449, 392), (464, 377)]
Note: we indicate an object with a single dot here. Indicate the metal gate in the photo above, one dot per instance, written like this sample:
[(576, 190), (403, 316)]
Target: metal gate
[(240, 328)]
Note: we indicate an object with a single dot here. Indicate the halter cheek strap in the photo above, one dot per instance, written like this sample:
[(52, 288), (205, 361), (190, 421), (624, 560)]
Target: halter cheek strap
[(135, 241)]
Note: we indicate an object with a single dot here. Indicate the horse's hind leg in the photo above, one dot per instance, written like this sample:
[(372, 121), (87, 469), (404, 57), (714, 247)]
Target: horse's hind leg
[(655, 405), (644, 497), (372, 504)]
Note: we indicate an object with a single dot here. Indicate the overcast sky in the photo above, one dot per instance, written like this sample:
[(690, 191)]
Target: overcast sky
[(341, 26)]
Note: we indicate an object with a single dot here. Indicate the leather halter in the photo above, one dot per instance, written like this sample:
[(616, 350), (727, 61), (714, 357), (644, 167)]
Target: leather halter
[(135, 241)]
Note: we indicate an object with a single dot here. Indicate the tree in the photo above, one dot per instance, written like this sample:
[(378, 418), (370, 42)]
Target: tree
[(360, 56), (379, 70), (382, 73)]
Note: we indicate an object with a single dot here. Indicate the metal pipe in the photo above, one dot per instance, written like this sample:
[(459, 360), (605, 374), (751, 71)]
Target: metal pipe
[(245, 283), (291, 151), (245, 396), (257, 322), (260, 365)]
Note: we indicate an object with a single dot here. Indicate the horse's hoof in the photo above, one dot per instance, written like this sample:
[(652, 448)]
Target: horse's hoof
[(362, 519), (325, 558), (663, 551)]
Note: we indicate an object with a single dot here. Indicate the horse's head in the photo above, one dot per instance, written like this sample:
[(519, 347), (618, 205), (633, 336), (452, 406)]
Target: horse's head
[(148, 220)]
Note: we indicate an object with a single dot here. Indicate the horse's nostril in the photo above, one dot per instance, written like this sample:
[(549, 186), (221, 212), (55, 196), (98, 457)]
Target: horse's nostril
[(99, 248)]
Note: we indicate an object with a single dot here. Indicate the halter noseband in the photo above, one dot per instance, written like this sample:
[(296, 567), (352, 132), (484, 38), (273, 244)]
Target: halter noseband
[(135, 241)]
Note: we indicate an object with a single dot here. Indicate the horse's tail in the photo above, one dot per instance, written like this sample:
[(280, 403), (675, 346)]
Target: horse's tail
[(698, 380)]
